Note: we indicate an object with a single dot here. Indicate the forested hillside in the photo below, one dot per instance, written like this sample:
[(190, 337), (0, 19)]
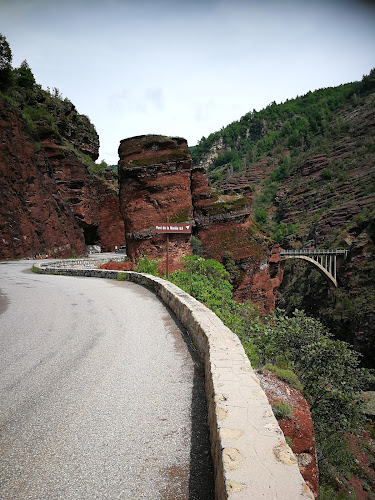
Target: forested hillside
[(310, 163)]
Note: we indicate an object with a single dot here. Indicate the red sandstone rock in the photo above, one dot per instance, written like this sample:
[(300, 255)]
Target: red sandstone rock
[(157, 180), (49, 203), (155, 184), (224, 225), (34, 219), (111, 228), (299, 429)]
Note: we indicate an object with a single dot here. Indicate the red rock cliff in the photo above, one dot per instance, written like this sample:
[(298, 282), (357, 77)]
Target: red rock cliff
[(225, 228), (157, 181), (49, 202), (155, 184), (34, 218)]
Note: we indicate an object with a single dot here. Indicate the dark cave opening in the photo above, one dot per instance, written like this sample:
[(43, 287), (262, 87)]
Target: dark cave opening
[(91, 234)]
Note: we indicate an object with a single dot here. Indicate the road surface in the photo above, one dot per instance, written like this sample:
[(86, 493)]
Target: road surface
[(101, 395)]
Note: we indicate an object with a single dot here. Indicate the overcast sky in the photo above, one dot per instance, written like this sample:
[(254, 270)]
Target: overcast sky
[(186, 67)]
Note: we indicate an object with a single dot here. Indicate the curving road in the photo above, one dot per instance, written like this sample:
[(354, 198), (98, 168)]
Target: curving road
[(101, 396)]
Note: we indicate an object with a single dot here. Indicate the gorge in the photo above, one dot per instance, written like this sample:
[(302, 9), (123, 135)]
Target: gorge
[(299, 175)]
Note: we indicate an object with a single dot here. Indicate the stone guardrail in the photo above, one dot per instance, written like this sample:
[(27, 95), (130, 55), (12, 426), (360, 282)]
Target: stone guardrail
[(250, 456)]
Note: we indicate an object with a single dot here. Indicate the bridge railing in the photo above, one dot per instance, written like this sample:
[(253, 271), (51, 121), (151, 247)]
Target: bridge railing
[(314, 252)]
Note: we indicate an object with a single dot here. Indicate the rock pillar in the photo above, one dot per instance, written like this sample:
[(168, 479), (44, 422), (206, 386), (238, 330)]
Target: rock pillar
[(155, 180)]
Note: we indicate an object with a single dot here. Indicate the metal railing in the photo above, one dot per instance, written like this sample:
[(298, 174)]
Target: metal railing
[(314, 252)]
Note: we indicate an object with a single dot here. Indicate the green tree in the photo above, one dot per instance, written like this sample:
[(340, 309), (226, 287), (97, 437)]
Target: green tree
[(5, 63), (24, 76), (328, 369)]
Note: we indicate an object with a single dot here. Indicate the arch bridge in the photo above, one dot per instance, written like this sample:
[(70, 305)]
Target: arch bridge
[(324, 260)]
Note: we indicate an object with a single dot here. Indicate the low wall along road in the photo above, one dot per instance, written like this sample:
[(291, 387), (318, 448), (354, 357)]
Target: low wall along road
[(251, 458)]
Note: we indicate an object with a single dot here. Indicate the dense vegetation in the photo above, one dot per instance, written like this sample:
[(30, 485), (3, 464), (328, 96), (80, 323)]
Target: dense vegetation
[(310, 164), (298, 349), (295, 123), (278, 139)]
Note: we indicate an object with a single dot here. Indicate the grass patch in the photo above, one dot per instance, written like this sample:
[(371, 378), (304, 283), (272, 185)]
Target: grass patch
[(286, 375), (282, 410)]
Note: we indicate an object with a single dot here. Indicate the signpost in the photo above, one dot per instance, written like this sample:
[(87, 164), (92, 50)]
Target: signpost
[(172, 228), (168, 228)]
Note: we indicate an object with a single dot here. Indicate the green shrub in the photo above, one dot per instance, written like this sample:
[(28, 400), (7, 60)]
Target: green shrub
[(327, 368), (121, 277), (282, 409), (196, 246), (286, 375), (261, 216), (147, 266), (326, 174)]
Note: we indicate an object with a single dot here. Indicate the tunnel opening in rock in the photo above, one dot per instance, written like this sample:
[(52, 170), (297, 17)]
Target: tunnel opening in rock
[(91, 234)]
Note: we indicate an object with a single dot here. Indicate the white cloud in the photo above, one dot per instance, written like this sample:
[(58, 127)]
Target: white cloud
[(183, 67)]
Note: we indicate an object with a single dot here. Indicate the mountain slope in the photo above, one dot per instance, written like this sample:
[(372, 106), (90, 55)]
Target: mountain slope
[(311, 165)]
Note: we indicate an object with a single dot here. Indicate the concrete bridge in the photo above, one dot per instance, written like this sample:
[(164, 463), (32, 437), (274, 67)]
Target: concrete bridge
[(324, 260)]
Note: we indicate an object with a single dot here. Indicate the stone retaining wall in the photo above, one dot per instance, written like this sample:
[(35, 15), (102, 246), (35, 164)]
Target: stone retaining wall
[(250, 456), (91, 263)]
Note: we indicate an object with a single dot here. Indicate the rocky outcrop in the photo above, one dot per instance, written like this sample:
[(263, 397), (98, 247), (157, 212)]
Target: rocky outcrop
[(154, 176), (34, 218), (225, 227), (157, 181), (50, 204), (298, 428)]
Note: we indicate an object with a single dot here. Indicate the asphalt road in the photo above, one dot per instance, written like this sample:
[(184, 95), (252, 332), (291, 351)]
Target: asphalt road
[(101, 396)]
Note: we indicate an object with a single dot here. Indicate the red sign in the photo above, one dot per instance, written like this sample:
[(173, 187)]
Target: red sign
[(170, 227)]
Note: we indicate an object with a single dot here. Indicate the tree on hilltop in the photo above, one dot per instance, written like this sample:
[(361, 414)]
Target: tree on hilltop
[(24, 76), (5, 62)]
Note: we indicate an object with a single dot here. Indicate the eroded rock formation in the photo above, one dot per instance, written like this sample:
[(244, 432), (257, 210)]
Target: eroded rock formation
[(50, 204), (157, 181), (225, 228)]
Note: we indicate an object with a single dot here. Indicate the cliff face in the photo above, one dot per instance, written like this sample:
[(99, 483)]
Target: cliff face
[(154, 176), (50, 204), (225, 227), (34, 218), (157, 181), (310, 163)]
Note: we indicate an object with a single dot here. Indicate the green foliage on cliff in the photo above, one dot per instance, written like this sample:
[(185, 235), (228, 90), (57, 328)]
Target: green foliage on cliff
[(46, 113), (328, 369), (208, 281), (310, 162), (147, 266)]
